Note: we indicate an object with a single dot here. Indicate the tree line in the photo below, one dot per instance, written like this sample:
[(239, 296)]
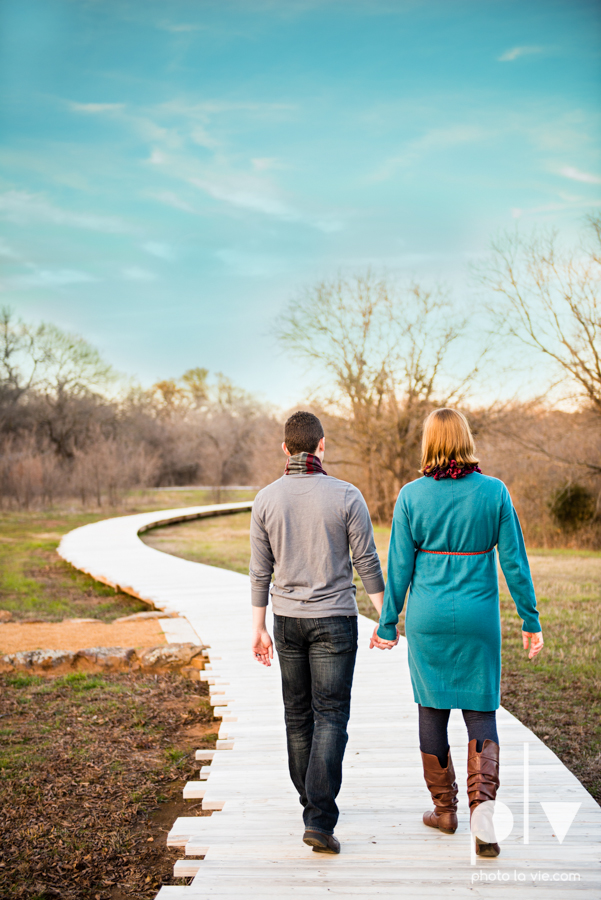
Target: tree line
[(70, 429), (382, 354)]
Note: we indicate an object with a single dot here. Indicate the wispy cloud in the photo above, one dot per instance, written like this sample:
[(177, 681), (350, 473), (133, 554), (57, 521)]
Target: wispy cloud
[(215, 107), (160, 250), (435, 139), (566, 202), (200, 136), (250, 191), (252, 265), (49, 278), (178, 29), (134, 273), (243, 191), (8, 252), (143, 124), (246, 192), (516, 52), (262, 164), (577, 175), (96, 108), (170, 198), (27, 209)]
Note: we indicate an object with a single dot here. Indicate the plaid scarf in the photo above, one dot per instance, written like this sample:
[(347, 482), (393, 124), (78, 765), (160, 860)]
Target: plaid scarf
[(304, 464)]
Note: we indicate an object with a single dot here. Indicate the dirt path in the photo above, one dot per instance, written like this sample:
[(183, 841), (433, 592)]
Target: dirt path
[(76, 635)]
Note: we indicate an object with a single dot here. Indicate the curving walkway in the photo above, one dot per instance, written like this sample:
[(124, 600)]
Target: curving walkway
[(252, 847)]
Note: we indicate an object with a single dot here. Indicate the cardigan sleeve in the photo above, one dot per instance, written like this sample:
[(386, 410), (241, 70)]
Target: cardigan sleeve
[(514, 563), (401, 563)]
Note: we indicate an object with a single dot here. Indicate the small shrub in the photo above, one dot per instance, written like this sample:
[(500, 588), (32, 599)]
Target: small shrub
[(572, 506)]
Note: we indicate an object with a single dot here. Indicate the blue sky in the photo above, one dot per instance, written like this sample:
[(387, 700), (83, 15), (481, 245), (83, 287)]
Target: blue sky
[(172, 174)]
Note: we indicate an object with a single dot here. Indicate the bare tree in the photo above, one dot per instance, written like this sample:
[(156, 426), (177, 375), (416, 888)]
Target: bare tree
[(549, 299), (381, 347), (230, 429)]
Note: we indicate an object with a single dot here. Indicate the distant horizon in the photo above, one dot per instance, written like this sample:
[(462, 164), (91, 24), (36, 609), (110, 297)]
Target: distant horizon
[(171, 177)]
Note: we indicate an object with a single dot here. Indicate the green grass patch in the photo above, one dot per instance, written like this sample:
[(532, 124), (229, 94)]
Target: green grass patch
[(80, 682), (21, 680), (36, 584), (175, 755), (221, 541)]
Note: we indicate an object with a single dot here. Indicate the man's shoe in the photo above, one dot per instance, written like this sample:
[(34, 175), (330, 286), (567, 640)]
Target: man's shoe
[(321, 843)]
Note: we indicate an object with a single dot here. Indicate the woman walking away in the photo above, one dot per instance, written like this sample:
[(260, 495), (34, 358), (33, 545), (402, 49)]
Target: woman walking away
[(445, 529)]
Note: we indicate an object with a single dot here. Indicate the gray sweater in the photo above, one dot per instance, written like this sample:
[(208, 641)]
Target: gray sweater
[(301, 530)]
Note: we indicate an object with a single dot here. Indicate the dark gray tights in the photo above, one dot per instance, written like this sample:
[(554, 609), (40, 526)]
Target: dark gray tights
[(433, 737)]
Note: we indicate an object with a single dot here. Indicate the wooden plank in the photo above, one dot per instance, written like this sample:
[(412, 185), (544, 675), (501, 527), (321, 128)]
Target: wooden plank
[(194, 790), (186, 868), (204, 754)]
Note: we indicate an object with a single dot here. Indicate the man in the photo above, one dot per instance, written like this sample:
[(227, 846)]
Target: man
[(301, 530)]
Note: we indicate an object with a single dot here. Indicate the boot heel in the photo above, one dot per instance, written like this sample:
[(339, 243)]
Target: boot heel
[(489, 851)]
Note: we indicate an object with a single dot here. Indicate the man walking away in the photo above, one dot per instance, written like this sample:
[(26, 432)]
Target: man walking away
[(302, 528)]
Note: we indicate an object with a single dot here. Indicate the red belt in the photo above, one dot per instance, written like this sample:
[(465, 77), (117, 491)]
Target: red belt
[(454, 553)]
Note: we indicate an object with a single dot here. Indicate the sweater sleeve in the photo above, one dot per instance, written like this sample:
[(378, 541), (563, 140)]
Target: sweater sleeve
[(514, 563), (361, 539), (401, 563), (261, 560)]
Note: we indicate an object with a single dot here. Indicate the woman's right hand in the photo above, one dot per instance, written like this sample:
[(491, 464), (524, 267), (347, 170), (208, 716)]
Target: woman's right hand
[(535, 640), (380, 643)]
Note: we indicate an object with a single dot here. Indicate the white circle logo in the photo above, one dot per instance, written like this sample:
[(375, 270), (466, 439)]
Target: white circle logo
[(491, 822)]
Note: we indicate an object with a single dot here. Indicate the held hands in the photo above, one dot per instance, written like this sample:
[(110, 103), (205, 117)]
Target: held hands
[(381, 644), (262, 647), (535, 640)]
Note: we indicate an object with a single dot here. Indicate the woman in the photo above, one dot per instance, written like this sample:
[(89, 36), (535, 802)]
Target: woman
[(445, 528)]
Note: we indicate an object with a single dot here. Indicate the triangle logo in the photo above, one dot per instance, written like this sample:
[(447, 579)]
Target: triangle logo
[(560, 816)]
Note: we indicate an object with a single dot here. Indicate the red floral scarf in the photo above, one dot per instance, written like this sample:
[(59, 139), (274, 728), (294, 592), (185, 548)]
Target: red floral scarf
[(451, 471)]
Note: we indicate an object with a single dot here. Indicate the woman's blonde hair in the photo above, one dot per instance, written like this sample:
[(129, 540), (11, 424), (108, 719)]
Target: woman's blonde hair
[(447, 435)]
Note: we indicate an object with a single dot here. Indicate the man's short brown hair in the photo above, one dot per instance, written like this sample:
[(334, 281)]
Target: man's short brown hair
[(302, 433)]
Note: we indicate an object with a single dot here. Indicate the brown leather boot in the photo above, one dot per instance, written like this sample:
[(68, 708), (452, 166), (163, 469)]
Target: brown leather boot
[(442, 787), (482, 785)]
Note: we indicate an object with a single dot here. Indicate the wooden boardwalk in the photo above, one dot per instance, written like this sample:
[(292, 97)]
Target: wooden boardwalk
[(252, 846)]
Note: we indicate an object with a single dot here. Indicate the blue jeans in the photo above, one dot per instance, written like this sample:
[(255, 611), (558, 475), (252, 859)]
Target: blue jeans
[(317, 661)]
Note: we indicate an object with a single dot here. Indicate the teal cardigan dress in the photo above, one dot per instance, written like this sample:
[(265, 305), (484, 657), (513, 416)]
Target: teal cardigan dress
[(442, 547)]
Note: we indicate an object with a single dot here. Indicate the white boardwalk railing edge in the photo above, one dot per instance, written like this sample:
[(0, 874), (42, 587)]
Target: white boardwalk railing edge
[(252, 847)]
